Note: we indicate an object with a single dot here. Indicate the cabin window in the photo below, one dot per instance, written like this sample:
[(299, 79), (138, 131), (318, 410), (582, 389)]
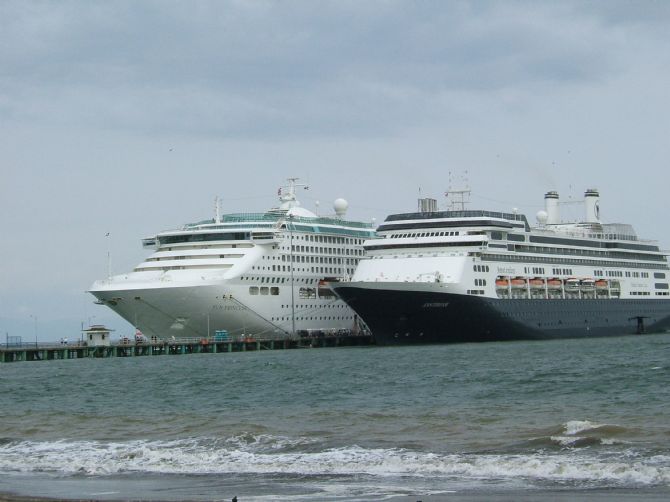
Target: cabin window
[(253, 290)]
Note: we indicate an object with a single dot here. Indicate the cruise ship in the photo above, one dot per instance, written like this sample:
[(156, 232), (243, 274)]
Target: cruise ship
[(473, 275), (264, 274)]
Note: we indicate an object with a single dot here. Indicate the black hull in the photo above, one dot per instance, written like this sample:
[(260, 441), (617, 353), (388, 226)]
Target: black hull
[(398, 317)]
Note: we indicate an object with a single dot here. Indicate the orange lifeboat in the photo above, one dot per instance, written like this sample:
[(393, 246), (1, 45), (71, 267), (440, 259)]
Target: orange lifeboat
[(518, 282), (502, 282), (554, 283), (537, 283), (601, 284)]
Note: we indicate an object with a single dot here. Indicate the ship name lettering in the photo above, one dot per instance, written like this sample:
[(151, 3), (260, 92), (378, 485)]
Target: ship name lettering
[(435, 305), (227, 307)]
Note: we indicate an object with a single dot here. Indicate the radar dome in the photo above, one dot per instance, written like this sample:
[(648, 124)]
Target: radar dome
[(340, 206), (542, 217)]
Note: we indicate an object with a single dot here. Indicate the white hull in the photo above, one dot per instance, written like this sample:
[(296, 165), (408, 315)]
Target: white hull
[(260, 274), (200, 310)]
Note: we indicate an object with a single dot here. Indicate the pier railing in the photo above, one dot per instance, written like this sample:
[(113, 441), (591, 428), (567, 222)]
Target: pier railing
[(127, 347)]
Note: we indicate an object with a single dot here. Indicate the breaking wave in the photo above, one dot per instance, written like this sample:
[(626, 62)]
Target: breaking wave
[(265, 454), (581, 434), (574, 427)]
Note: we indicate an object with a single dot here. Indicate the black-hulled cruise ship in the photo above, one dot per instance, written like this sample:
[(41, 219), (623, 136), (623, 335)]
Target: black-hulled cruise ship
[(471, 275)]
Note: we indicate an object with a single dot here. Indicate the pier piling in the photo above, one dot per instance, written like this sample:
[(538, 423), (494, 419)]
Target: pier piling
[(52, 352)]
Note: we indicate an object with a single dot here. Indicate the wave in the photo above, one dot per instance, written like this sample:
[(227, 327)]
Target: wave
[(584, 433), (577, 434), (267, 455), (574, 427)]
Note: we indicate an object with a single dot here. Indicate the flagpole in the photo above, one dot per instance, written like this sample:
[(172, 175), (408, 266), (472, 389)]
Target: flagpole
[(109, 257)]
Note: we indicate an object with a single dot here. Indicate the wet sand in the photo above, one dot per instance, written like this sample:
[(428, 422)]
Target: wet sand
[(508, 496)]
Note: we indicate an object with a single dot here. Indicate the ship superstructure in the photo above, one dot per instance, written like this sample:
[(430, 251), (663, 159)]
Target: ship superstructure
[(474, 275), (258, 273)]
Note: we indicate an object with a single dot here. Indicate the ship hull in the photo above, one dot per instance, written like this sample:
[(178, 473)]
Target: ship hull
[(399, 315), (199, 311)]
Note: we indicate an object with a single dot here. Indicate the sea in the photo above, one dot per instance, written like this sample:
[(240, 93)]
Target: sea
[(585, 419)]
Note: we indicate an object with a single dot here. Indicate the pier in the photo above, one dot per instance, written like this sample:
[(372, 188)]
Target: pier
[(179, 346)]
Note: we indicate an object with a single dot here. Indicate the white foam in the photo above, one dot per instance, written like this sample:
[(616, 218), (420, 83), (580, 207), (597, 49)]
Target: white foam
[(566, 440), (256, 442), (612, 441), (573, 440), (576, 426), (212, 456)]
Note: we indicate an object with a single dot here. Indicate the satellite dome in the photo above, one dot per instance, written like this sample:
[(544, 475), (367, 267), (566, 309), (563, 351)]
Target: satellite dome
[(542, 217), (340, 206)]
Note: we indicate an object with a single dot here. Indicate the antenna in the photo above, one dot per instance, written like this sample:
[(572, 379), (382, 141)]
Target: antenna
[(287, 194), (458, 195), (217, 210)]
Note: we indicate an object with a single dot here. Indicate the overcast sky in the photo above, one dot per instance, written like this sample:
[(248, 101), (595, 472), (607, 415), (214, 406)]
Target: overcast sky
[(131, 117)]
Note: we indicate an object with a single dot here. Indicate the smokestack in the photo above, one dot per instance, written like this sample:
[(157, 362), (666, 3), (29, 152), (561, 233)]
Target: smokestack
[(427, 205), (551, 205), (592, 205)]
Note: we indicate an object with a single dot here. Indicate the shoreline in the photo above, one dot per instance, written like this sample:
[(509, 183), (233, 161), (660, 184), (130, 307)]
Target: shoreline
[(553, 495)]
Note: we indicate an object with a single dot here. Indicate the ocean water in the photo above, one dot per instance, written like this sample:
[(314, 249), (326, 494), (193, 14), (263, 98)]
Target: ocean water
[(582, 418)]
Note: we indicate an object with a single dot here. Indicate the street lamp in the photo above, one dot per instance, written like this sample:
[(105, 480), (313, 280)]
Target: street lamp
[(35, 319)]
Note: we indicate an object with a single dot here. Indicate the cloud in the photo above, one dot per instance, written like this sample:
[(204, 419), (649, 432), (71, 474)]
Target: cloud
[(130, 117), (265, 69)]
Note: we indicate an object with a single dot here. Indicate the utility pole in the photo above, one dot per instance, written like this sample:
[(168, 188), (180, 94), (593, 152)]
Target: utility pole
[(290, 230)]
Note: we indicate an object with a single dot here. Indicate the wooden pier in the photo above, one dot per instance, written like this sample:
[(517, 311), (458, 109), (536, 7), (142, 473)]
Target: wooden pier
[(179, 346)]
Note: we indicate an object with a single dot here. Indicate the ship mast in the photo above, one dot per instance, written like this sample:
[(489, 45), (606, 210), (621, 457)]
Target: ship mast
[(458, 197), (287, 193)]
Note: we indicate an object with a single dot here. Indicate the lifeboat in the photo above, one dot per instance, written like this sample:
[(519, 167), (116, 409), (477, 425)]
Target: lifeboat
[(554, 283), (587, 284), (518, 282), (502, 282), (601, 284), (537, 283), (572, 283)]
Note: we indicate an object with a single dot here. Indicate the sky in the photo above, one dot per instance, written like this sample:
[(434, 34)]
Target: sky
[(128, 118)]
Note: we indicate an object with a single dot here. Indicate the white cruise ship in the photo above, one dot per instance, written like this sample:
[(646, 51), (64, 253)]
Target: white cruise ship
[(263, 274), (474, 275)]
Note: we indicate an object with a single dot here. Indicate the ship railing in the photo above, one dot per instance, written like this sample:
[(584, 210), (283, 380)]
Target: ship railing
[(594, 235), (272, 217)]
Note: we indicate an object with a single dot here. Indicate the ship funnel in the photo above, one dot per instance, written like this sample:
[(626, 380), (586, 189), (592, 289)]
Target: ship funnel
[(427, 205), (592, 204), (551, 207)]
